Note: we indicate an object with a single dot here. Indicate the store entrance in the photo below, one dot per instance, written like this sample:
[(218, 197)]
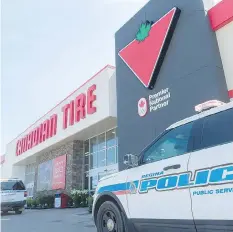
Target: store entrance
[(101, 157)]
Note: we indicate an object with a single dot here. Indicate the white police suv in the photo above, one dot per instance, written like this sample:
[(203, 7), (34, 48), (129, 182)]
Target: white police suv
[(183, 181)]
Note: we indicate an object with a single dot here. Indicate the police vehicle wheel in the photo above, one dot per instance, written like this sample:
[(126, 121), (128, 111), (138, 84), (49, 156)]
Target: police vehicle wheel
[(109, 218)]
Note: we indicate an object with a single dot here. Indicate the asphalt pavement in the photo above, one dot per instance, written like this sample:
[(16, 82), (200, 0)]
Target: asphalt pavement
[(49, 220)]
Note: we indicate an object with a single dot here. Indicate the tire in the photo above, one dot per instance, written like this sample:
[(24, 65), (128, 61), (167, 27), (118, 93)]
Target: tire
[(4, 212), (109, 218), (18, 211)]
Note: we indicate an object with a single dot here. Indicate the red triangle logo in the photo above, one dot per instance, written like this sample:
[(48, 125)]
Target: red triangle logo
[(145, 58)]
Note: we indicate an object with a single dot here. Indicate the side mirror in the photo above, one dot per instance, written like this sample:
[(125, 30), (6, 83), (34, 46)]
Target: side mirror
[(131, 160)]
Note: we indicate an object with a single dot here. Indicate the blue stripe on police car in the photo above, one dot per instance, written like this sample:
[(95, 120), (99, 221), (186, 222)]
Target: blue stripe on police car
[(204, 177)]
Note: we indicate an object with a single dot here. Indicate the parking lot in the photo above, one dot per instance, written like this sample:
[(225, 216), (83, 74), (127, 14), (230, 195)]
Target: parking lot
[(59, 220)]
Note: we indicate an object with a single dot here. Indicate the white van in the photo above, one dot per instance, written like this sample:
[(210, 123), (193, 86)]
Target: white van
[(13, 195), (182, 181)]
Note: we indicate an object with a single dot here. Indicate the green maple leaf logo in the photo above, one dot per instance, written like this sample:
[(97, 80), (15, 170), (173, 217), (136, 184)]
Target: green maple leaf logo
[(143, 31)]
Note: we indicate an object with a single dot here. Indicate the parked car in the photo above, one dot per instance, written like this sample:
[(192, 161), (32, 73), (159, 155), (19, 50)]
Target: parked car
[(13, 195), (182, 181)]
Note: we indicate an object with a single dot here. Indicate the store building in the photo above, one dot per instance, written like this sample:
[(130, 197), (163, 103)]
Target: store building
[(71, 146), (171, 56)]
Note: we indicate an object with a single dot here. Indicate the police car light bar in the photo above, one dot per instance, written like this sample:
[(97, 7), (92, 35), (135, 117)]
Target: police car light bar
[(208, 105)]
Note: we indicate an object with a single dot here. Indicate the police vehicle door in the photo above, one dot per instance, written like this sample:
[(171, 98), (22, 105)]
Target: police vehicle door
[(157, 202), (212, 192)]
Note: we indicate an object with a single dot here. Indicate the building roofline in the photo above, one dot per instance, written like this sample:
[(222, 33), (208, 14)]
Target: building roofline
[(105, 67)]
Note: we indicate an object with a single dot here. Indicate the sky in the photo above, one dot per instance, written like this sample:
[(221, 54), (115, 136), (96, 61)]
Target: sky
[(48, 49)]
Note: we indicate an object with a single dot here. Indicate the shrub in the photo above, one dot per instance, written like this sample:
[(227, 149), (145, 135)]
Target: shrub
[(34, 203), (44, 201), (41, 200), (29, 202), (79, 197), (70, 201), (50, 201)]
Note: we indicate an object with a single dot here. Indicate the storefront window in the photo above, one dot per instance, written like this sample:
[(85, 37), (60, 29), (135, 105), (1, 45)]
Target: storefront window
[(102, 148), (101, 158), (99, 152), (93, 144), (111, 156), (93, 160), (101, 142), (111, 138)]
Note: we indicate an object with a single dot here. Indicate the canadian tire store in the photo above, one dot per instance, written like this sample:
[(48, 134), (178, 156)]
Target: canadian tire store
[(171, 56), (73, 145)]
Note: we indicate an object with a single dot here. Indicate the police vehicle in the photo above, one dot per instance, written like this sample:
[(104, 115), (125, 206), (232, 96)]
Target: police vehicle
[(13, 195), (183, 181)]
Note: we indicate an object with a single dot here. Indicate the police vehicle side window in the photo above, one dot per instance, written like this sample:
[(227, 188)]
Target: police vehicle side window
[(173, 143), (218, 129)]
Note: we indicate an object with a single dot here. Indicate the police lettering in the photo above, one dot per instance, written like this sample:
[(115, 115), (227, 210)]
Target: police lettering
[(216, 175)]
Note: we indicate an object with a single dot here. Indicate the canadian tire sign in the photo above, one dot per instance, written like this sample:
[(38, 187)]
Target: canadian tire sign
[(145, 54)]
